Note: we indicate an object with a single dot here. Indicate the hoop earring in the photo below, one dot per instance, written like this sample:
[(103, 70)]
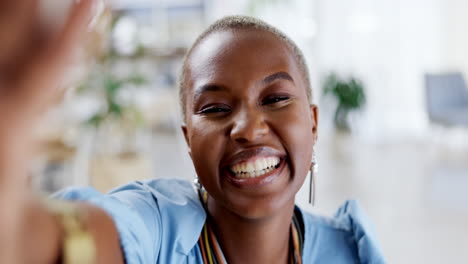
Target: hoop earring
[(313, 174), (201, 191), (197, 183)]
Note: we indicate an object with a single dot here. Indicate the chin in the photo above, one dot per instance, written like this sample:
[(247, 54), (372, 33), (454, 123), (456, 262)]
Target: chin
[(265, 201), (264, 209)]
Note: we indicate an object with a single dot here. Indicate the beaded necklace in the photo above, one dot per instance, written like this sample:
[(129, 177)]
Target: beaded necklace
[(211, 250)]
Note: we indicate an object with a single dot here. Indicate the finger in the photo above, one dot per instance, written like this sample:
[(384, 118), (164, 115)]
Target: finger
[(14, 163), (73, 33), (45, 75), (17, 18)]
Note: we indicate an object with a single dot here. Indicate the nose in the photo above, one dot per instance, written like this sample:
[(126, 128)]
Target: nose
[(249, 126)]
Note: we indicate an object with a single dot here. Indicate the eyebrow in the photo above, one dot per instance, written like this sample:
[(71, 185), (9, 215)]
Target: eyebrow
[(207, 88), (217, 88), (278, 76)]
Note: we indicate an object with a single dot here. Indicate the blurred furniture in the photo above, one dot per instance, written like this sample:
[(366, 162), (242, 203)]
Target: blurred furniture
[(110, 171), (447, 99)]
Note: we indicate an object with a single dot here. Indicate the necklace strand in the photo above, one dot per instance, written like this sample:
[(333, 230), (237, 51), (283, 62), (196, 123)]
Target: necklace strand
[(211, 251)]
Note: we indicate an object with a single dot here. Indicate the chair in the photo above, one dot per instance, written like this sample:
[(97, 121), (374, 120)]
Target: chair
[(447, 99)]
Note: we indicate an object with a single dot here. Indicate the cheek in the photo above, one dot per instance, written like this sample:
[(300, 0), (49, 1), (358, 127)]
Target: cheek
[(207, 145), (295, 130)]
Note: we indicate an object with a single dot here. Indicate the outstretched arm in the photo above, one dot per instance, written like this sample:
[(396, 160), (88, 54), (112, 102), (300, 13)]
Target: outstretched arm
[(33, 63)]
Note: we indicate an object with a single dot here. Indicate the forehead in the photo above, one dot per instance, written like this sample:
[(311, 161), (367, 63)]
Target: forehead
[(238, 56)]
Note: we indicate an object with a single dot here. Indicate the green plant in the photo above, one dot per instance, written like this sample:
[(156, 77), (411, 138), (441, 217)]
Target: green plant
[(349, 94), (105, 84), (117, 119), (110, 86)]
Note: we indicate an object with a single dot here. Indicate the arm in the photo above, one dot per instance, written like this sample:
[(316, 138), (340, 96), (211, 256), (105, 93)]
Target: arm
[(43, 238), (32, 64)]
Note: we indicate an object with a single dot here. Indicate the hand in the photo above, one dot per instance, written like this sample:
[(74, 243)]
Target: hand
[(33, 63)]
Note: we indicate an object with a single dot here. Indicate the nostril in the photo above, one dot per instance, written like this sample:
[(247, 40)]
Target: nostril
[(248, 132), (241, 140)]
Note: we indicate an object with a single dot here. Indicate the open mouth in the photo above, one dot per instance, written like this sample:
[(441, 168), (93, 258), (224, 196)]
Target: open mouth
[(255, 168), (256, 171)]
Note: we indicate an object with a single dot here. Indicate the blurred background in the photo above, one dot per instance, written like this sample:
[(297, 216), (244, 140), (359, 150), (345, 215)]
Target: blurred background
[(387, 75)]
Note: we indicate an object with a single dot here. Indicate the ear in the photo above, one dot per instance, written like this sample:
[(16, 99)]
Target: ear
[(184, 130), (314, 118)]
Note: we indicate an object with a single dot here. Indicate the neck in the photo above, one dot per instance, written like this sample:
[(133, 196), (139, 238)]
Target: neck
[(247, 241)]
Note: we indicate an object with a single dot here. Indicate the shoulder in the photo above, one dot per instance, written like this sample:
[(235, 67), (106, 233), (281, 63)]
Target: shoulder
[(162, 214), (160, 192), (169, 195), (347, 237), (180, 212)]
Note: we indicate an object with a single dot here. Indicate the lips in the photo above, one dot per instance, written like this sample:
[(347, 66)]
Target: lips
[(254, 167)]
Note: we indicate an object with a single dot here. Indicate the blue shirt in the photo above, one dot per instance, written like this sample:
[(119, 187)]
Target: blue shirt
[(159, 221)]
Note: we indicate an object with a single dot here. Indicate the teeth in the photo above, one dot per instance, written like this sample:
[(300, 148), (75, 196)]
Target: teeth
[(250, 167), (258, 165), (255, 168), (244, 167), (269, 161), (264, 163)]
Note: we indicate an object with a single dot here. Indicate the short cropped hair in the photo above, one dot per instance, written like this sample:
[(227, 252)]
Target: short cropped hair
[(242, 22)]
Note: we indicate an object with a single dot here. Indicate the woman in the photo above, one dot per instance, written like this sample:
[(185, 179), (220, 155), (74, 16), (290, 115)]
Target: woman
[(250, 129)]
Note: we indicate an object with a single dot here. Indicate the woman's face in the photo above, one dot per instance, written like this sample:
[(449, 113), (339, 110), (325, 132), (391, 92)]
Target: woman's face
[(249, 125)]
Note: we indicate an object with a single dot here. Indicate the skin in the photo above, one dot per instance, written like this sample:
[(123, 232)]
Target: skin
[(252, 223), (247, 98), (33, 62)]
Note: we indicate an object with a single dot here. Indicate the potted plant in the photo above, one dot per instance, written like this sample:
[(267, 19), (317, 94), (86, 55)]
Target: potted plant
[(118, 124), (349, 95)]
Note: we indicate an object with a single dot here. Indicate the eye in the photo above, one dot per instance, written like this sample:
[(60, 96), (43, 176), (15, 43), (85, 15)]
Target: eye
[(213, 109), (273, 99)]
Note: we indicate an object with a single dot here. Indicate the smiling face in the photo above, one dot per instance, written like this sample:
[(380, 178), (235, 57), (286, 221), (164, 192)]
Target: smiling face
[(249, 125)]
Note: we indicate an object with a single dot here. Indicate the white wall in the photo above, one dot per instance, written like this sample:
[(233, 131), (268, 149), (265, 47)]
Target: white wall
[(455, 35), (389, 45)]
